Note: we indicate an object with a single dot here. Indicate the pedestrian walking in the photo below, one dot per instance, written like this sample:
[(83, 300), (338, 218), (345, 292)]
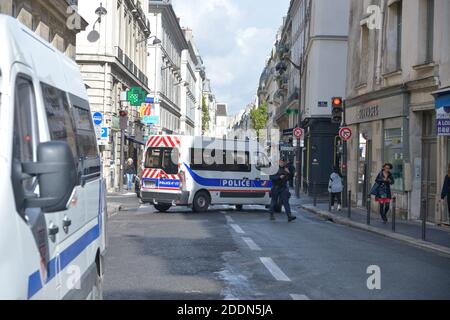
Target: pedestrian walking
[(382, 190), (335, 188), (446, 189), (280, 191), (130, 171)]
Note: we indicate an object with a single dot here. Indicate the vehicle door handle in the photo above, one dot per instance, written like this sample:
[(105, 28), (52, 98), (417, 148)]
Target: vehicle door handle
[(66, 224), (53, 230)]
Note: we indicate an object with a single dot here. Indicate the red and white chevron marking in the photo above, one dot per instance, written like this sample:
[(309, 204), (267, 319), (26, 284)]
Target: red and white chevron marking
[(158, 174), (150, 174), (163, 142)]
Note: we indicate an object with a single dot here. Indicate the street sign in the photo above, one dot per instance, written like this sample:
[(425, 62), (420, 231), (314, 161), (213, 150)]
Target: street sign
[(152, 100), (298, 133), (98, 131), (105, 134), (345, 134), (288, 132), (98, 118)]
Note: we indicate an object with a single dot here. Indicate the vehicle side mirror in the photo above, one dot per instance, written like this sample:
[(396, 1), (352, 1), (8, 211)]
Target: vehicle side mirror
[(56, 172)]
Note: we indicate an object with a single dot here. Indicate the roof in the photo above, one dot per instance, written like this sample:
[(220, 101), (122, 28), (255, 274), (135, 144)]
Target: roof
[(221, 110)]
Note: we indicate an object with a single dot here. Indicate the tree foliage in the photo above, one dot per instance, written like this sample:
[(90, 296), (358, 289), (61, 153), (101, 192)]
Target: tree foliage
[(205, 116), (259, 118)]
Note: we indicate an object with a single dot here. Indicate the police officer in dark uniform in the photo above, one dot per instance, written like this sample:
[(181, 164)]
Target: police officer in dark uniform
[(280, 190)]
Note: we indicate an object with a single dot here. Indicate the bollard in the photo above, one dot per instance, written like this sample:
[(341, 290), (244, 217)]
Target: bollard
[(424, 219), (369, 210), (315, 194), (349, 204), (394, 204)]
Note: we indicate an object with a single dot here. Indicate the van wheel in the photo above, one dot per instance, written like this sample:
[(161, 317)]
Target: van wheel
[(201, 202), (162, 207), (239, 207)]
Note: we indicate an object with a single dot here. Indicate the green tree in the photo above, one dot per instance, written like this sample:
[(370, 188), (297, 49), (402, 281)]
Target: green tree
[(205, 116), (259, 118)]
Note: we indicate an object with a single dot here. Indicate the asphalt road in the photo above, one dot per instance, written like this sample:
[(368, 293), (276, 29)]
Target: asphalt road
[(225, 254)]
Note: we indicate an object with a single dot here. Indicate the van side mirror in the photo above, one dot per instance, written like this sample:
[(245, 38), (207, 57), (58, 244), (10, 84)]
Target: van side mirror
[(56, 172)]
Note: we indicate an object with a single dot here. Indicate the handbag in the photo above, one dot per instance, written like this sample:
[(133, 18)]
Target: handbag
[(375, 188)]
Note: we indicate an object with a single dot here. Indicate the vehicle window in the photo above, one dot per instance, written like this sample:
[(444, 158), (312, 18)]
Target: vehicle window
[(153, 158), (87, 141), (59, 117), (26, 138), (162, 158), (230, 161)]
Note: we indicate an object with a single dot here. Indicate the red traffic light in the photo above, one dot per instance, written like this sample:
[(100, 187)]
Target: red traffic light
[(336, 101)]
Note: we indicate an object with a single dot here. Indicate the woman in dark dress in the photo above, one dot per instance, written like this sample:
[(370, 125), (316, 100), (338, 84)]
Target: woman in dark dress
[(383, 195), (446, 189)]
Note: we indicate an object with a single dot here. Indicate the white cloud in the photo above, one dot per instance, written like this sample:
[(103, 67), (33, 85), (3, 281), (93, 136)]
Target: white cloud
[(234, 38)]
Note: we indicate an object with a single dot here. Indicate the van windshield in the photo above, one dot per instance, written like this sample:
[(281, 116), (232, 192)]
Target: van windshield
[(162, 158)]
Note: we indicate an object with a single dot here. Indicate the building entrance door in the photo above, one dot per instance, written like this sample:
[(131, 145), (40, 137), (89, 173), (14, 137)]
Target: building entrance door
[(429, 162), (364, 170)]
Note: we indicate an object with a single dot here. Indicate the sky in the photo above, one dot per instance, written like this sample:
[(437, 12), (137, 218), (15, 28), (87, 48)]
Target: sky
[(234, 38)]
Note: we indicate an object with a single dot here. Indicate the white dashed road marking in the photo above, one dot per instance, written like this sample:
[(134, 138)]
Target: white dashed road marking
[(252, 245), (229, 219), (299, 297), (237, 229), (274, 270)]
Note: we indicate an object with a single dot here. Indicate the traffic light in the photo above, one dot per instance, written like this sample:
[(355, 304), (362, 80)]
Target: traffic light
[(337, 110), (123, 117)]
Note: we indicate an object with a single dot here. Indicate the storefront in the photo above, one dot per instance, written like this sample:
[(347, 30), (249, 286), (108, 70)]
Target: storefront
[(442, 131), (380, 135)]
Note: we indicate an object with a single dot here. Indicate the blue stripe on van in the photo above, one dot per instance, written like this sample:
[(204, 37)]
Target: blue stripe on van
[(229, 183), (65, 258)]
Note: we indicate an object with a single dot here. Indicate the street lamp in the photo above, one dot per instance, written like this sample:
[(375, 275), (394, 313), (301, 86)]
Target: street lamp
[(93, 36), (155, 40)]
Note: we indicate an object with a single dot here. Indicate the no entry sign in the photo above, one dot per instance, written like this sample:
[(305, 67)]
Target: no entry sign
[(345, 134), (298, 133)]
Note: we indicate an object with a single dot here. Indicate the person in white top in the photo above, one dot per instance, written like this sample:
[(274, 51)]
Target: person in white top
[(335, 188)]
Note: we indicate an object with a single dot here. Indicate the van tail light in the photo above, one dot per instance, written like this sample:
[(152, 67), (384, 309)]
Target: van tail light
[(182, 175)]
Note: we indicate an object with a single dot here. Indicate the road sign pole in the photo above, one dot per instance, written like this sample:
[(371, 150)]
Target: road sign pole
[(344, 157)]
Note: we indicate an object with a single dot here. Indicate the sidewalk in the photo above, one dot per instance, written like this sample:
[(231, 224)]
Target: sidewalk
[(437, 238), (120, 201)]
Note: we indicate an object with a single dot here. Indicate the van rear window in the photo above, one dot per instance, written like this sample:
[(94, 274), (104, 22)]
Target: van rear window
[(162, 158)]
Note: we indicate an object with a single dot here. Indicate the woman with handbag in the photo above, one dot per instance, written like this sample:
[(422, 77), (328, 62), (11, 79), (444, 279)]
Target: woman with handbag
[(382, 190)]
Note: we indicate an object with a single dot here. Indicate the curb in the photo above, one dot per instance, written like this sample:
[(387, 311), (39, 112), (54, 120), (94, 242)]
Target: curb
[(409, 240), (113, 209)]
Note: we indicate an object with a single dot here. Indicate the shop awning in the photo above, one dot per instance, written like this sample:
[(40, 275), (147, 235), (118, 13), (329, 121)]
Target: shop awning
[(132, 139)]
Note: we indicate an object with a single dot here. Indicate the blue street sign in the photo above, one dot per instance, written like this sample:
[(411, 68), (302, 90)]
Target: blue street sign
[(98, 118), (105, 133), (151, 100)]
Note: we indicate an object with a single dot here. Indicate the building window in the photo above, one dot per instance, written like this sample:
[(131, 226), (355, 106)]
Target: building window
[(429, 14), (394, 36), (393, 153), (364, 54)]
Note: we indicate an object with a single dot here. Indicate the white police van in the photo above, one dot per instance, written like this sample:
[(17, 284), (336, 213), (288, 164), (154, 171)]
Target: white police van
[(52, 214), (198, 172)]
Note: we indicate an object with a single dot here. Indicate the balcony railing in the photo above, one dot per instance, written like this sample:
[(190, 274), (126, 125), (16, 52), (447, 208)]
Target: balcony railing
[(130, 66)]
